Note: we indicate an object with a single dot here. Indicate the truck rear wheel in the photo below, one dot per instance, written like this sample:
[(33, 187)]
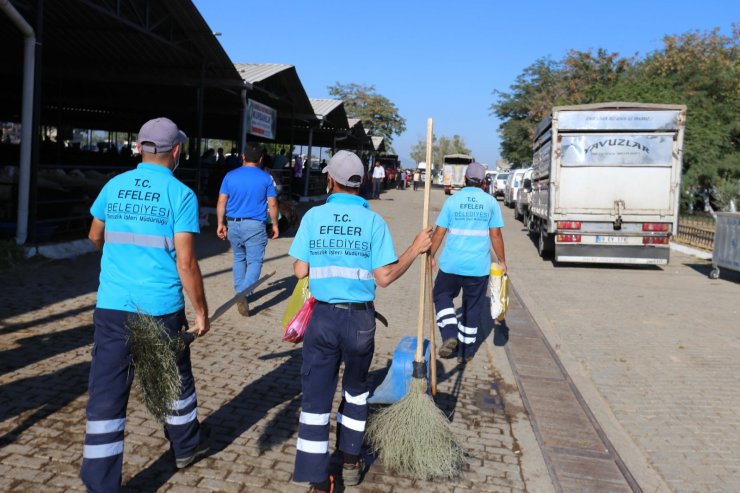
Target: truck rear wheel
[(545, 244)]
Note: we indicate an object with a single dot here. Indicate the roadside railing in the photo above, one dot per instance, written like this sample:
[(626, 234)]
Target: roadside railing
[(696, 230)]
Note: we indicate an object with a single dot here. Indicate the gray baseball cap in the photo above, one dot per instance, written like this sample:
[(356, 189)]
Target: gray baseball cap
[(346, 168), (160, 135), (475, 172)]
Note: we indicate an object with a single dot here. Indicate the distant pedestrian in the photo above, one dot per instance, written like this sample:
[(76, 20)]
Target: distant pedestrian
[(404, 177), (378, 177), (247, 194), (145, 221), (417, 179), (473, 220)]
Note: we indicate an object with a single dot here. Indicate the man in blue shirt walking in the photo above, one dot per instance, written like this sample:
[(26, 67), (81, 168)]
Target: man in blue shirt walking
[(345, 249), (247, 195), (145, 221), (473, 220)]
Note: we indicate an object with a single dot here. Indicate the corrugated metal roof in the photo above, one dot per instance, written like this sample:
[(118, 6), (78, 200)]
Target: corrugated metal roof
[(257, 72), (323, 107), (353, 121)]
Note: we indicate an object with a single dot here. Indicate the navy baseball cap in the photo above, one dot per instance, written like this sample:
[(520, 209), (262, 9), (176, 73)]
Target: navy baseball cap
[(160, 135), (475, 172)]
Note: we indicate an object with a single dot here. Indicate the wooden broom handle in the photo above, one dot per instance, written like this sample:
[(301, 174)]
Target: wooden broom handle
[(425, 256), (432, 331)]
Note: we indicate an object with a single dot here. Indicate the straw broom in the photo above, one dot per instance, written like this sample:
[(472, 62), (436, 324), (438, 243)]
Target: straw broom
[(154, 354), (413, 435)]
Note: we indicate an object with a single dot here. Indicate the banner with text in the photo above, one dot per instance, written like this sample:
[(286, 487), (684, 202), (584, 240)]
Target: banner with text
[(261, 120)]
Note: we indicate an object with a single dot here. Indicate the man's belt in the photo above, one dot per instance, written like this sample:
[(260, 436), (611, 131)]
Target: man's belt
[(239, 219), (363, 306)]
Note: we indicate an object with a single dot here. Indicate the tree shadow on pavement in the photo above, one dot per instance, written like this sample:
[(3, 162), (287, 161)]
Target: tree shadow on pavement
[(44, 395), (39, 347), (232, 420)]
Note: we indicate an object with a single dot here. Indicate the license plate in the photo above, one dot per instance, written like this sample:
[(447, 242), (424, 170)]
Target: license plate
[(611, 239)]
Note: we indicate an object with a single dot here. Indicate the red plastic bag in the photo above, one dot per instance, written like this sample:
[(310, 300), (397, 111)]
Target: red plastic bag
[(296, 329)]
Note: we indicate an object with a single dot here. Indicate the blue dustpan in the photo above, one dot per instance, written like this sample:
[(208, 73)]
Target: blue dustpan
[(396, 383)]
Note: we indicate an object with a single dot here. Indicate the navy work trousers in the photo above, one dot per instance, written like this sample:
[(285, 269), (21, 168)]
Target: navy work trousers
[(109, 385), (446, 288), (333, 335)]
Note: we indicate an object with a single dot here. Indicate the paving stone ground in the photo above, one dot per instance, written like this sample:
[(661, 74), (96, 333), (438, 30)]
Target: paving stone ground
[(247, 381), (654, 352)]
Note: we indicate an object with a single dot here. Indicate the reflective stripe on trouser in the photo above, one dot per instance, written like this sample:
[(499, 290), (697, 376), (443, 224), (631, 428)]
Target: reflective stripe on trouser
[(446, 288), (109, 385), (333, 335)]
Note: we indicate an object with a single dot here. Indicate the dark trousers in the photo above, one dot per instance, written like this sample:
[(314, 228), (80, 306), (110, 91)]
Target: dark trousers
[(446, 288), (333, 335), (109, 385), (377, 186)]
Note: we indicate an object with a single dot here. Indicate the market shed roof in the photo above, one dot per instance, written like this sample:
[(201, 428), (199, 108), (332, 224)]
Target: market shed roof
[(114, 64)]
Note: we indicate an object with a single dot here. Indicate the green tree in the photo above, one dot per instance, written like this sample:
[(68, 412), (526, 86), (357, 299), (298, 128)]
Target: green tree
[(440, 148), (379, 114), (700, 70)]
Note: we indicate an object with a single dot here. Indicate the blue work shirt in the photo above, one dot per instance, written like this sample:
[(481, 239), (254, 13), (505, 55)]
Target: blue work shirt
[(248, 188), (468, 216), (343, 241), (142, 210)]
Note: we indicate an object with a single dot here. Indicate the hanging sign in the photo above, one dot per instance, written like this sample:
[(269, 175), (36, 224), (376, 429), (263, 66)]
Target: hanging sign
[(261, 120)]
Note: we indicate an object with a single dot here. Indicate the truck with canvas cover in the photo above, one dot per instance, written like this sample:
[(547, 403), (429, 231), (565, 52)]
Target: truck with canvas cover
[(453, 171), (606, 182)]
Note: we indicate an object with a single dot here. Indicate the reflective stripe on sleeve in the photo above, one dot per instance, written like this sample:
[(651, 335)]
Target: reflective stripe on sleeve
[(154, 241), (343, 272), (350, 423), (105, 426), (101, 451), (312, 447), (469, 232), (314, 419)]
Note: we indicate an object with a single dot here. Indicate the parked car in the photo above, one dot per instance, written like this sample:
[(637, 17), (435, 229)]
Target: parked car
[(500, 183), (521, 209), (513, 182)]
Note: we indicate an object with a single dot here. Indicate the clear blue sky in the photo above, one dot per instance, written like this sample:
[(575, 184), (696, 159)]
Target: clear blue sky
[(444, 59)]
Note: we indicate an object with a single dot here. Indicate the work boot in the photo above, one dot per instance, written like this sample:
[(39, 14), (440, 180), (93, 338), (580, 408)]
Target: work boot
[(352, 472), (324, 487), (243, 307), (200, 451), (448, 349)]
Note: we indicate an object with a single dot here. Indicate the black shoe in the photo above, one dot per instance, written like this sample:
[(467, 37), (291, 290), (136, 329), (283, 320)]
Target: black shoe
[(200, 451), (465, 359), (448, 349)]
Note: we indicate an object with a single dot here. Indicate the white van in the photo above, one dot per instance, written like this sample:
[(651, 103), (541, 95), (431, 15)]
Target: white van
[(513, 183)]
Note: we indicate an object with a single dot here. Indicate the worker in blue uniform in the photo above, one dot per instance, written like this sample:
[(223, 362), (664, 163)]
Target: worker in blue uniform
[(345, 249), (144, 220), (472, 220)]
